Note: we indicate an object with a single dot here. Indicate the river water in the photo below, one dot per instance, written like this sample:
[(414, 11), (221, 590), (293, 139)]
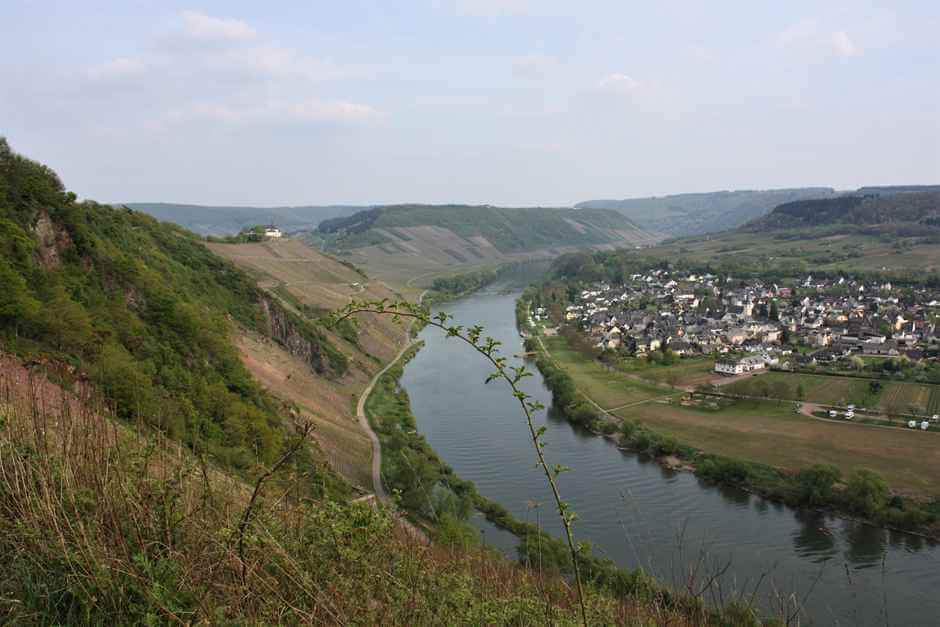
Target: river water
[(641, 515)]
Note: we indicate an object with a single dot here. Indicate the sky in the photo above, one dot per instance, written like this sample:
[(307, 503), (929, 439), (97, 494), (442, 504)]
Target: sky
[(509, 102)]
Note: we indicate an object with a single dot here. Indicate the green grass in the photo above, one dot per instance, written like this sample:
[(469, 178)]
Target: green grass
[(608, 388), (822, 389), (684, 371), (908, 397)]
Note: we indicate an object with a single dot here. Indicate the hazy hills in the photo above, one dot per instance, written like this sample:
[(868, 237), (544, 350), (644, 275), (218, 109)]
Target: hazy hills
[(891, 233), (859, 210), (224, 220), (692, 214), (405, 241)]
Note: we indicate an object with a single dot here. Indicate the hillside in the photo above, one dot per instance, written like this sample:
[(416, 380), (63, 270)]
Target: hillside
[(692, 214), (893, 234), (311, 284), (227, 220), (169, 427), (909, 207), (408, 241), (146, 313)]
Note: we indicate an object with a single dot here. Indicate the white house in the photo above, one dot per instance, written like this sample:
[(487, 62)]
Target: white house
[(272, 232), (740, 366)]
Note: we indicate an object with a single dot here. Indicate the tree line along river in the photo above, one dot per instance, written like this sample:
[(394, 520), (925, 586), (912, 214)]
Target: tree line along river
[(640, 514)]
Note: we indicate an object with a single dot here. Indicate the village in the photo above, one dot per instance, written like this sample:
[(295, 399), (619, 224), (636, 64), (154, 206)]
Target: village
[(827, 344), (751, 325)]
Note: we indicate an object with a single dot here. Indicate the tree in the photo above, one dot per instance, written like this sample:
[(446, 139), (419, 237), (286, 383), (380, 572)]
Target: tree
[(672, 378), (16, 302), (816, 484), (866, 492), (780, 390), (774, 310), (800, 392)]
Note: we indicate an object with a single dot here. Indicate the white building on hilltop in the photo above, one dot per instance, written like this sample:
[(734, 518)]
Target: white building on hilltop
[(272, 232)]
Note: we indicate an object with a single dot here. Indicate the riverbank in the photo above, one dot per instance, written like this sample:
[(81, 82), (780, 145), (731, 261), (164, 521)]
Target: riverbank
[(440, 501), (664, 426)]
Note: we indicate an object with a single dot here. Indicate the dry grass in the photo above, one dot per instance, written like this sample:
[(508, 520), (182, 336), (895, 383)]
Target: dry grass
[(100, 523), (316, 280)]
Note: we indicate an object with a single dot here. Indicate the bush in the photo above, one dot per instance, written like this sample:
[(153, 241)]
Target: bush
[(815, 484), (866, 492)]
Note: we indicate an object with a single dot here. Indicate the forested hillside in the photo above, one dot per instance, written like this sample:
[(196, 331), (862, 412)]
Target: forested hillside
[(860, 210), (692, 214), (144, 311)]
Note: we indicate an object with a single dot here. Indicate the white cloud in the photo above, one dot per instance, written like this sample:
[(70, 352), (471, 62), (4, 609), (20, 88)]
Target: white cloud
[(310, 110), (202, 26), (702, 54), (798, 33), (331, 111), (492, 8), (533, 64), (808, 35), (122, 67), (274, 61), (618, 83), (843, 45)]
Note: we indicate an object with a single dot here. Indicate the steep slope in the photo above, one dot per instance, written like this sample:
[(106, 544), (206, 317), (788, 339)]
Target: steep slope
[(146, 313), (226, 220), (692, 214), (311, 283), (407, 241)]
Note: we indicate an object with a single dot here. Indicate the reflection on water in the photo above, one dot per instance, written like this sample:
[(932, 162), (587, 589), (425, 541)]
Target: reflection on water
[(813, 540), (640, 514)]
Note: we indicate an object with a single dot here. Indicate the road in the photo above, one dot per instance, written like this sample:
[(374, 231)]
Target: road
[(377, 486)]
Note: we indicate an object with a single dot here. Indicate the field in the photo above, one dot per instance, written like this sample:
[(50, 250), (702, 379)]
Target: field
[(683, 372), (815, 388), (608, 388), (890, 396), (768, 431), (911, 397)]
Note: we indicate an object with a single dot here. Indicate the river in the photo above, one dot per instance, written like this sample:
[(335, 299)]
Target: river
[(641, 515)]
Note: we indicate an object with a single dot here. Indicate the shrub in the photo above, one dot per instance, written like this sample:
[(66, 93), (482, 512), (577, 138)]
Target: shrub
[(815, 484), (866, 492)]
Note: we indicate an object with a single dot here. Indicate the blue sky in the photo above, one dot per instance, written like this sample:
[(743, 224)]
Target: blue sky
[(515, 102)]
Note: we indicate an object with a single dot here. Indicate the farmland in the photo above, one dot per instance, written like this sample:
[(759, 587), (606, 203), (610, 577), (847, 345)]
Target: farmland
[(606, 387), (889, 396), (768, 431), (822, 389)]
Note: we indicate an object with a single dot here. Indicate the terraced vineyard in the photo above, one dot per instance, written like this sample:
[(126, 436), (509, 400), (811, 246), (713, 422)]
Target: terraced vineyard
[(916, 397), (815, 388)]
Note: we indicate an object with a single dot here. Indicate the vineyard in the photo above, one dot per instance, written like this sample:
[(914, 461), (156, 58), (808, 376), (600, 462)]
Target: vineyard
[(911, 397)]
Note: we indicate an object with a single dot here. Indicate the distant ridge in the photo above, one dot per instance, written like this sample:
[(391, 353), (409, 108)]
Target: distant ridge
[(225, 219), (407, 241), (907, 206), (678, 215)]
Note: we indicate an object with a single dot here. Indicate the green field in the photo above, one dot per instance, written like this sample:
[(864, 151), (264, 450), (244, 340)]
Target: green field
[(911, 397), (608, 388), (815, 388), (768, 431), (684, 372)]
